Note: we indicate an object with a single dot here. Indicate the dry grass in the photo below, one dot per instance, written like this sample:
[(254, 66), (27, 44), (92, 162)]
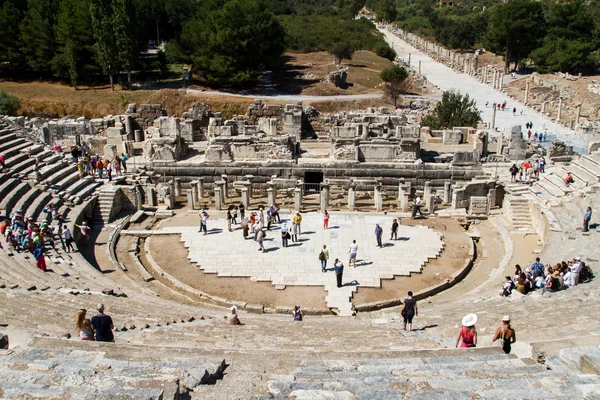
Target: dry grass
[(55, 100)]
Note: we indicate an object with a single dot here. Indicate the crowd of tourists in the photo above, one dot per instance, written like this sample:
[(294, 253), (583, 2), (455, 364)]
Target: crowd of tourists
[(24, 234), (527, 172), (94, 165), (548, 278)]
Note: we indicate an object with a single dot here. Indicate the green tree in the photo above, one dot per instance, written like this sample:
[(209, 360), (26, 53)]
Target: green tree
[(453, 110), (37, 34), (75, 40), (106, 46), (10, 51), (9, 104), (234, 43), (396, 82), (126, 38), (515, 29), (386, 10), (342, 50)]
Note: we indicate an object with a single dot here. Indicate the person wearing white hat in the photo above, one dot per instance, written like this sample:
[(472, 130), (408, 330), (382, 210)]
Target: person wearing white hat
[(506, 333), (467, 333), (232, 318)]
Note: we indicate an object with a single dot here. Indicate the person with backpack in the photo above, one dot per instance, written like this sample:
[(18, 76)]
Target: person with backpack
[(323, 257), (513, 173), (285, 235)]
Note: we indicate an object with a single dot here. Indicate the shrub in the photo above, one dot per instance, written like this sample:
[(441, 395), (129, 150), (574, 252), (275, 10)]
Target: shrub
[(9, 104)]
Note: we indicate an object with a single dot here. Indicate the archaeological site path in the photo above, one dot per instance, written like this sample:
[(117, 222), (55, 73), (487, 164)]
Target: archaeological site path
[(447, 79)]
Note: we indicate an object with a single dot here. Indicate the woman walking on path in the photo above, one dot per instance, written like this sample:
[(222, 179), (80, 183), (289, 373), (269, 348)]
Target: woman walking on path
[(409, 311), (467, 333), (325, 219), (507, 334)]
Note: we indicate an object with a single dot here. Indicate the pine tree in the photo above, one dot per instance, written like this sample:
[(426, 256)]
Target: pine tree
[(125, 36), (37, 34), (104, 33)]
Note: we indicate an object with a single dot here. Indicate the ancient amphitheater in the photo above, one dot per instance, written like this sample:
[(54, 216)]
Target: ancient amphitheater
[(168, 287)]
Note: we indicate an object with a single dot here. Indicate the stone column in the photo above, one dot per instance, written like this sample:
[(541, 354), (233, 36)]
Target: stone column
[(170, 200), (466, 66), (139, 202), (270, 195), (225, 186), (491, 199), (447, 193), (578, 115), (495, 80), (485, 75), (190, 198), (249, 179), (559, 109), (430, 202), (177, 187), (138, 135), (246, 195), (500, 81), (324, 196), (426, 189), (378, 198), (544, 107), (419, 67), (195, 201), (404, 197), (152, 201), (499, 144), (218, 197), (200, 189), (409, 59), (351, 198), (297, 199), (494, 107), (526, 93)]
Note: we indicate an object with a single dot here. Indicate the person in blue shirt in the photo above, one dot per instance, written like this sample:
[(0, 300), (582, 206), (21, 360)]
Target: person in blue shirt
[(538, 268), (378, 233), (586, 219)]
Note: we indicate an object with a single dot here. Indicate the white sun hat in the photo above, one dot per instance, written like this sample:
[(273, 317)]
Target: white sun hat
[(469, 320)]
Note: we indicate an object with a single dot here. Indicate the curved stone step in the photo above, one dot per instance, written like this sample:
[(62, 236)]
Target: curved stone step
[(13, 197)]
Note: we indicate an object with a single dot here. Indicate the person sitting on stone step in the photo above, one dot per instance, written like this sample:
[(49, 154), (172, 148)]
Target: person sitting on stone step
[(232, 318), (83, 326)]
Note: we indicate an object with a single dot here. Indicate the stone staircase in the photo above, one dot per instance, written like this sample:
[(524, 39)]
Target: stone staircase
[(520, 216), (103, 211)]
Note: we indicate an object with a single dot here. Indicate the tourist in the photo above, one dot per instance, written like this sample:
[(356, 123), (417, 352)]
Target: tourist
[(276, 216), (85, 232), (242, 209), (297, 220), (38, 254), (409, 310), (103, 326), (545, 135), (109, 169), (521, 172), (99, 167), (68, 236), (270, 217), (416, 208), (325, 219), (586, 219), (339, 271), (232, 318), (514, 111), (116, 162), (513, 173), (568, 179), (229, 217), (203, 222), (508, 286), (542, 163), (252, 221), (323, 257), (260, 237), (378, 233), (294, 231), (261, 218), (124, 162), (576, 270), (234, 211), (467, 332), (83, 326), (394, 230), (285, 235), (506, 334), (245, 227), (353, 251), (529, 135), (297, 313), (3, 162), (537, 267), (536, 169)]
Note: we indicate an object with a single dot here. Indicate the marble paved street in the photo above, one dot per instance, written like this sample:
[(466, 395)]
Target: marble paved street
[(447, 79), (228, 254)]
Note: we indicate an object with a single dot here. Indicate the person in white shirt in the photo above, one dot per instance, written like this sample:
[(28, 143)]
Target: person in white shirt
[(353, 251), (576, 269), (569, 279)]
